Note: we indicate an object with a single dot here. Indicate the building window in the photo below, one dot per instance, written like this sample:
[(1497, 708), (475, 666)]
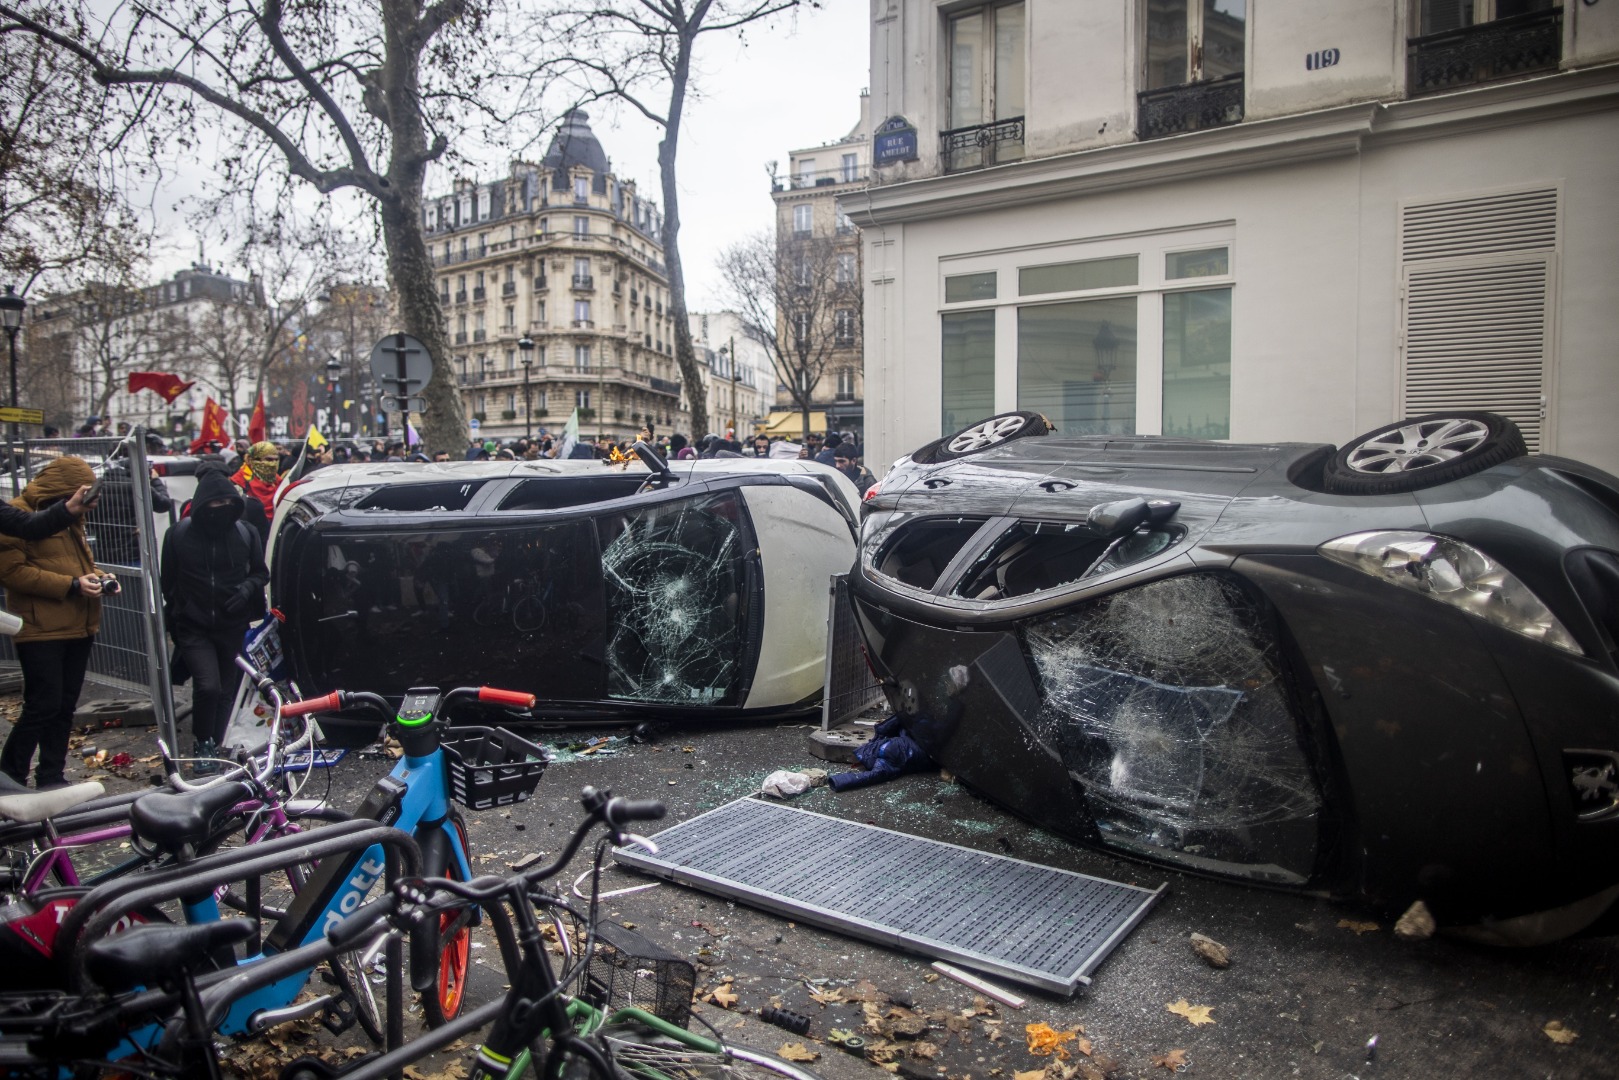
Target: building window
[(581, 311), (801, 327), (851, 168), (1461, 42), (806, 172), (483, 204), (803, 218), (1197, 364), (581, 225), (1193, 60), (581, 399), (845, 222), (477, 279), (804, 272), (845, 384), (511, 317), (1077, 364), (843, 326), (511, 360), (987, 75), (581, 358), (845, 271), (581, 189), (967, 287), (968, 368), (511, 401)]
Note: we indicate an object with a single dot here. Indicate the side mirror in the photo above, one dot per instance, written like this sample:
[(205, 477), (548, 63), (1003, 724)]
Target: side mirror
[(654, 461), (1115, 519)]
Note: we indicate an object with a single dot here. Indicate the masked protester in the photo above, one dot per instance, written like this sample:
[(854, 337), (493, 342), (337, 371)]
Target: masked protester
[(54, 586), (213, 579), (257, 477)]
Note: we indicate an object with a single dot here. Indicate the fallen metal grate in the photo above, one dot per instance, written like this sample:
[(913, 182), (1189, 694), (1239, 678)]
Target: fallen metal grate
[(1034, 924)]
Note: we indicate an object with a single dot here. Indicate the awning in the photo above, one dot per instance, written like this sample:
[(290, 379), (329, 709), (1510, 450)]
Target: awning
[(791, 423)]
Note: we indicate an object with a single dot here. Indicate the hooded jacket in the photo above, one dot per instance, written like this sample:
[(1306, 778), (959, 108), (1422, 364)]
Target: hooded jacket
[(213, 573), (39, 575)]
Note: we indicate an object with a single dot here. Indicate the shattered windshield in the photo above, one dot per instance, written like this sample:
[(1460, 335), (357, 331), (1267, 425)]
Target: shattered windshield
[(677, 610), (1166, 703)]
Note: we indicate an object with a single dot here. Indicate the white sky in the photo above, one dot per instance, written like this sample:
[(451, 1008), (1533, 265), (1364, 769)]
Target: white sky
[(792, 86)]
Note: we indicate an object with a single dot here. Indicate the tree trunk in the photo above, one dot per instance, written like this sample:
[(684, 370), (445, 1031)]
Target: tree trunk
[(691, 373)]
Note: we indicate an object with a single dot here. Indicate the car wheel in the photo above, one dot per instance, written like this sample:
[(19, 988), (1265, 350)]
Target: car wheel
[(1421, 452), (985, 434)]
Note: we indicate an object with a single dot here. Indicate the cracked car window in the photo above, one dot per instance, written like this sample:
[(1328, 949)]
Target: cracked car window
[(677, 612), (1167, 704)]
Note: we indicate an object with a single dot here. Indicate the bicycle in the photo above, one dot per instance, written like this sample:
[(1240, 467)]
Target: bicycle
[(537, 1024)]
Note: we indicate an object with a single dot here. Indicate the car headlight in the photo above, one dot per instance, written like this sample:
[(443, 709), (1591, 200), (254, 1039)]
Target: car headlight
[(1453, 573)]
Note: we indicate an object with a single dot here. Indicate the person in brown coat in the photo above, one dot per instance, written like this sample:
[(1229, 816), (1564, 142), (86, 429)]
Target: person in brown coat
[(54, 586)]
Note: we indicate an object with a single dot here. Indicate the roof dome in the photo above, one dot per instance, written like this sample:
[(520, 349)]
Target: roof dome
[(575, 144)]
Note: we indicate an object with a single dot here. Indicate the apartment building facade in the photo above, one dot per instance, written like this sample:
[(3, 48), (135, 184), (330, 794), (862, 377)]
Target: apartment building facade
[(737, 374), (809, 207), (1257, 222), (567, 256)]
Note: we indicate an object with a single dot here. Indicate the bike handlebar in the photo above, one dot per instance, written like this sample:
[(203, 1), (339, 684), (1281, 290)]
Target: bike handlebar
[(328, 703), (493, 696)]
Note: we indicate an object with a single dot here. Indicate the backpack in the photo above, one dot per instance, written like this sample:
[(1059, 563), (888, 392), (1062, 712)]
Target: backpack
[(243, 537)]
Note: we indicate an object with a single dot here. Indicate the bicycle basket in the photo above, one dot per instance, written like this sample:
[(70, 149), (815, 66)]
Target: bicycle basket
[(491, 767), (630, 970)]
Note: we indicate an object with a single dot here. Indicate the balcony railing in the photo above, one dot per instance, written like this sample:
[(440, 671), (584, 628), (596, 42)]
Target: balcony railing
[(472, 378), (827, 177), (509, 289), (443, 298), (583, 281), (461, 296), (1173, 110), (1517, 45), (461, 337), (477, 293), (477, 335), (664, 386), (584, 324), (982, 144)]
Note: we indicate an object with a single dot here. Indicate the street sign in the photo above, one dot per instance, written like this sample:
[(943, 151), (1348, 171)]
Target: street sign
[(401, 365), (9, 415), (473, 423)]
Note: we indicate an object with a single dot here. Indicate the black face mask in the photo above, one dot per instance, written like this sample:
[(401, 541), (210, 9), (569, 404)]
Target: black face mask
[(213, 520)]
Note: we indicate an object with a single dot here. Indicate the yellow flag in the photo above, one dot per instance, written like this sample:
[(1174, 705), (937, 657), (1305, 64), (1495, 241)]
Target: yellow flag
[(316, 439)]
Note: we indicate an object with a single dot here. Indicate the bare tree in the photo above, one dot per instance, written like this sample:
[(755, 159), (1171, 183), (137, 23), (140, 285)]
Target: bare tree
[(795, 298), (635, 51), (339, 96)]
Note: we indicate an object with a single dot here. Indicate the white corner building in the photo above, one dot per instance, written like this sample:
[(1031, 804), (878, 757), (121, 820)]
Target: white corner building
[(1255, 221)]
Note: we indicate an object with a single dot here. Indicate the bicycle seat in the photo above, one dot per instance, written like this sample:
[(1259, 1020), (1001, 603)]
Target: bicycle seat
[(171, 820), (18, 803), (155, 953)]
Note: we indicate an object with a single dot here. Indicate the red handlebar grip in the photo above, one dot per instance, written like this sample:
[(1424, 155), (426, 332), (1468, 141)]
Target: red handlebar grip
[(330, 703), (492, 696)]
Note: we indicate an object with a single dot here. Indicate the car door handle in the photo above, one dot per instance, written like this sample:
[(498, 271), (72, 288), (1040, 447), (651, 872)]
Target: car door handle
[(1054, 486), (344, 615), (933, 483)]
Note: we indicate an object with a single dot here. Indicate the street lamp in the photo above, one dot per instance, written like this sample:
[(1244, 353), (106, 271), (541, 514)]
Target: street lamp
[(11, 309), (334, 368), (526, 345)]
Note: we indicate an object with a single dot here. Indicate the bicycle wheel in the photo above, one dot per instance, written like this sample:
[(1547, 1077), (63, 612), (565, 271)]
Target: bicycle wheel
[(443, 1002), (640, 1053)]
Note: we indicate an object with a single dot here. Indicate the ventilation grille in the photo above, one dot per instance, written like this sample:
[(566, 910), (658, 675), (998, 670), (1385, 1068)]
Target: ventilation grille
[(1488, 225), (1476, 339)]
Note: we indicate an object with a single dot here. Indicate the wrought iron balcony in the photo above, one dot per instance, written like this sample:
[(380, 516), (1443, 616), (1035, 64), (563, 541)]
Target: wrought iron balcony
[(664, 386), (477, 293), (583, 281), (1173, 110), (1517, 45), (461, 337), (461, 296), (477, 335), (982, 144), (509, 289)]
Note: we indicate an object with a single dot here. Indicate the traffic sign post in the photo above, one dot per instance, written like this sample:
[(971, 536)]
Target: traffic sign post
[(402, 363)]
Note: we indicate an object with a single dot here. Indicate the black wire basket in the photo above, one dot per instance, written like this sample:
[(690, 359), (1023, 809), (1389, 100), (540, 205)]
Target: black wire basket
[(628, 969), (491, 767)]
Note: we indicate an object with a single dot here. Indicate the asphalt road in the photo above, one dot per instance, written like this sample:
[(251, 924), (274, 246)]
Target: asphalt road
[(1303, 995)]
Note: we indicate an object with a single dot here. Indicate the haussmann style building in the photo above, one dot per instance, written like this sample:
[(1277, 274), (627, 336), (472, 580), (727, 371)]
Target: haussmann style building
[(1216, 219)]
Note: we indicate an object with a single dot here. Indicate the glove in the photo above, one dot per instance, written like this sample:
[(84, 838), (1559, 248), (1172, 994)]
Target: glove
[(238, 598)]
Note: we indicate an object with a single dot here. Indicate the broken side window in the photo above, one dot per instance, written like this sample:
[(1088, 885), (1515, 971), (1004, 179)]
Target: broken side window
[(922, 549), (1167, 705), (676, 576)]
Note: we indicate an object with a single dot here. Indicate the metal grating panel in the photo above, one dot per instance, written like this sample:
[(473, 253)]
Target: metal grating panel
[(1034, 924), (848, 687)]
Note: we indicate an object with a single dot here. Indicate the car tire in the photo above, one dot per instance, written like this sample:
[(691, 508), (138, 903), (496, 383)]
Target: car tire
[(985, 434), (1422, 452)]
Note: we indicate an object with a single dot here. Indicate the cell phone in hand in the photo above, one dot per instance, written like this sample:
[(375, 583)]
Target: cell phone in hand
[(95, 489)]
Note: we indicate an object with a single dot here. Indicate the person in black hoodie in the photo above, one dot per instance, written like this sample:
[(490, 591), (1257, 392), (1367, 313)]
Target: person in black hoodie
[(213, 578)]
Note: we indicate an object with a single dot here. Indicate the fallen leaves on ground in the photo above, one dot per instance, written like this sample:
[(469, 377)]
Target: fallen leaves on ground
[(1557, 1033), (826, 997), (1174, 1061), (1417, 924), (723, 995), (924, 1050), (1198, 1015), (797, 1052), (1045, 1040), (1357, 926), (453, 1071)]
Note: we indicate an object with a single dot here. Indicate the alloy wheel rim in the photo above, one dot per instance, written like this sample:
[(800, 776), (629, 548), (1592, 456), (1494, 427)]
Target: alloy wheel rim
[(986, 434), (1408, 447)]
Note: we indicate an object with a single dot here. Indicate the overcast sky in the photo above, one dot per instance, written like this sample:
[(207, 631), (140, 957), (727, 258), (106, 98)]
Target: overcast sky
[(793, 86)]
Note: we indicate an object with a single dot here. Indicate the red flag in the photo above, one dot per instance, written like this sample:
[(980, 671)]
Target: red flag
[(213, 428), (165, 385), (255, 426)]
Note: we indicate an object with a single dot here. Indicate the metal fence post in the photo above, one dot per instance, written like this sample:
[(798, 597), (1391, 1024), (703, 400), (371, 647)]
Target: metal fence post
[(157, 654)]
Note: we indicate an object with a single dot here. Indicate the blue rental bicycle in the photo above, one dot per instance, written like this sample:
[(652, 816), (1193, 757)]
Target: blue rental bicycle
[(407, 823)]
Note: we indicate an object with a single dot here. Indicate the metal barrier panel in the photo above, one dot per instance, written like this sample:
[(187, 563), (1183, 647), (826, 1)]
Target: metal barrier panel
[(849, 688), (131, 649)]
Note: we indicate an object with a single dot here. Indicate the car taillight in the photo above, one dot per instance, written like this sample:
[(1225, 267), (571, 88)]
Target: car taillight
[(871, 492)]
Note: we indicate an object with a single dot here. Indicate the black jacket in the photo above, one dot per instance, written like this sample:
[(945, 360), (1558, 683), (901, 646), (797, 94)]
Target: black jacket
[(37, 525), (213, 573)]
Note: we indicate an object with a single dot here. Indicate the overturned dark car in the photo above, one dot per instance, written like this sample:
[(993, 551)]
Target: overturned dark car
[(1385, 673)]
